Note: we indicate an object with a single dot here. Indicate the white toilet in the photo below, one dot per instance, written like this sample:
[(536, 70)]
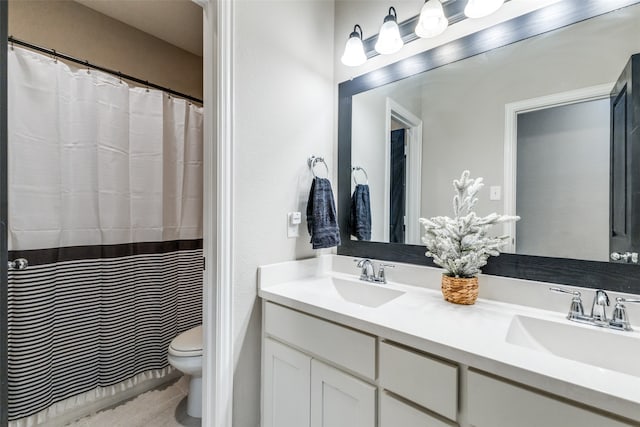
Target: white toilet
[(185, 354)]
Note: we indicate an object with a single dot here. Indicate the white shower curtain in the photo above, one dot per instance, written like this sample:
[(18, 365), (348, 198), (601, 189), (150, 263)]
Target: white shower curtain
[(105, 199), (92, 160)]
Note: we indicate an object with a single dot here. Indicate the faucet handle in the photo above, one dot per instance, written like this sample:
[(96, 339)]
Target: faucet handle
[(577, 309), (382, 278), (619, 318), (565, 291)]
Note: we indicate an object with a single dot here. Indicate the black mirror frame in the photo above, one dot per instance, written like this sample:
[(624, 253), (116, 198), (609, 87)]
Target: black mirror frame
[(591, 274)]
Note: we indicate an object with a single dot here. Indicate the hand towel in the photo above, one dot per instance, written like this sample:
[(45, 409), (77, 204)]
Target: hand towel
[(322, 221), (360, 217)]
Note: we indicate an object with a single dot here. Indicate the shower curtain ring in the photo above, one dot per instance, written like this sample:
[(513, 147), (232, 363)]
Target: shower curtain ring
[(147, 83), (88, 66), (11, 40), (120, 77), (54, 56)]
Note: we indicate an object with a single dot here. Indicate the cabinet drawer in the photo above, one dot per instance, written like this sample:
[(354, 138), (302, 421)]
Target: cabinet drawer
[(426, 381), (394, 413), (496, 403), (345, 347)]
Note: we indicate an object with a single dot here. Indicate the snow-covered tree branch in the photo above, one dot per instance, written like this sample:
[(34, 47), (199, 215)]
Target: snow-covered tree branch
[(460, 244)]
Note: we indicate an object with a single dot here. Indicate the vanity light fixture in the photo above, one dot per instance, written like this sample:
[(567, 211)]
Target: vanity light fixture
[(389, 40), (354, 49), (482, 8), (432, 20)]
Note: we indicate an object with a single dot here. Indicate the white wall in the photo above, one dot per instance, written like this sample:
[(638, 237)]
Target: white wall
[(565, 210), (284, 113)]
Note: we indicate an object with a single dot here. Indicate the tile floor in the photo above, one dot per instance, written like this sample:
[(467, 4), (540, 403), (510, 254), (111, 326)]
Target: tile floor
[(161, 407)]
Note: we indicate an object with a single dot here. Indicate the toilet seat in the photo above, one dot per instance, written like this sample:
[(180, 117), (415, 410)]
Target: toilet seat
[(187, 344)]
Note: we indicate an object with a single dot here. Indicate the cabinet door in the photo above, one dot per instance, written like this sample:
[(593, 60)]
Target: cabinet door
[(286, 386), (340, 400)]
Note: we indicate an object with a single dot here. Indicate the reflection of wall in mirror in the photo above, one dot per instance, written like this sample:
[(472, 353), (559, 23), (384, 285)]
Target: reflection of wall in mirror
[(464, 129), (565, 210), (368, 148)]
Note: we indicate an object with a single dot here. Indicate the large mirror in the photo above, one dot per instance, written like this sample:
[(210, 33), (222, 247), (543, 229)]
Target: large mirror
[(533, 118)]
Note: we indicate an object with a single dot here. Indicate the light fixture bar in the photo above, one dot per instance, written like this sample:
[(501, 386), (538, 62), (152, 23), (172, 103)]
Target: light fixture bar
[(453, 10)]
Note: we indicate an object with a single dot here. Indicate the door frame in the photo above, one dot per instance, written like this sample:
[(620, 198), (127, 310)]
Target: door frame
[(217, 316), (4, 397), (512, 110), (413, 140)]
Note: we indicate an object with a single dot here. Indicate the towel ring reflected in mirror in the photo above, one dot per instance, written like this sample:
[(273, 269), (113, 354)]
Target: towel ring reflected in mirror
[(313, 160), (361, 169)]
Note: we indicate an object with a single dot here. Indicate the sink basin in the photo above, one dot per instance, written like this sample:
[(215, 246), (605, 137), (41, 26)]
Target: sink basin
[(591, 345), (366, 294)]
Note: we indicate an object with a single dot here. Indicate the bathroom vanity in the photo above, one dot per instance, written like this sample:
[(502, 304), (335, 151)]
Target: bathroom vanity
[(338, 351)]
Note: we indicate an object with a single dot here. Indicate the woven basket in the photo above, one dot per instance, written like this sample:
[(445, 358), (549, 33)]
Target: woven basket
[(459, 290)]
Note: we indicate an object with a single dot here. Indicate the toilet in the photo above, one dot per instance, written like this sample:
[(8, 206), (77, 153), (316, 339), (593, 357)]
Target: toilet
[(185, 354)]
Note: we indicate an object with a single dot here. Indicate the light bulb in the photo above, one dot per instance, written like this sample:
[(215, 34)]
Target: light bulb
[(432, 21), (482, 8), (354, 50), (389, 40)]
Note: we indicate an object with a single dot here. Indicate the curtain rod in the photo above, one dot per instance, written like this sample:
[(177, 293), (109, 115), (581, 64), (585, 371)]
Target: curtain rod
[(55, 54)]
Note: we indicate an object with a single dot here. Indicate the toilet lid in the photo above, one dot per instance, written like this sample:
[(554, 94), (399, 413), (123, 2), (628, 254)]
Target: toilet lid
[(188, 343)]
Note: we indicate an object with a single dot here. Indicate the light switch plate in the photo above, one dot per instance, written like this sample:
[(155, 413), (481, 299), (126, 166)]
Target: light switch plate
[(495, 192)]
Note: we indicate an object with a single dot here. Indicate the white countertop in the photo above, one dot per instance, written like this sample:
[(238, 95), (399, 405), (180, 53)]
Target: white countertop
[(469, 335)]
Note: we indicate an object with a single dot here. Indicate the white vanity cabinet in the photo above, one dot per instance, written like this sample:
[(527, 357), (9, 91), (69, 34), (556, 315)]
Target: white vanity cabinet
[(299, 389), (317, 373)]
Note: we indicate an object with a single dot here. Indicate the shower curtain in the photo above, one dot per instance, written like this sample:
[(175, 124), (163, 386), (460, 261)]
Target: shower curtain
[(105, 201)]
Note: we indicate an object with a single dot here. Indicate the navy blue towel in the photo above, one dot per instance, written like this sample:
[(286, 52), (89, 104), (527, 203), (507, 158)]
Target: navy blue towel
[(322, 221), (360, 218)]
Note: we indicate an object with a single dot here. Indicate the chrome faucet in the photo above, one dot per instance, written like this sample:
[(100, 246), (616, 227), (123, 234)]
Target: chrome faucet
[(598, 317), (368, 273)]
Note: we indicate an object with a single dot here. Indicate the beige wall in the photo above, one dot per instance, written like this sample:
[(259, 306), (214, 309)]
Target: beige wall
[(79, 31)]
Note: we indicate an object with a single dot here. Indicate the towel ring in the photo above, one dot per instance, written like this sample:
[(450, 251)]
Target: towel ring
[(361, 169), (313, 160)]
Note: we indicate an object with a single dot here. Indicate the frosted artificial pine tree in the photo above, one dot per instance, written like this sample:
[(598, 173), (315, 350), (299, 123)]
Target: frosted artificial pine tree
[(460, 244)]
